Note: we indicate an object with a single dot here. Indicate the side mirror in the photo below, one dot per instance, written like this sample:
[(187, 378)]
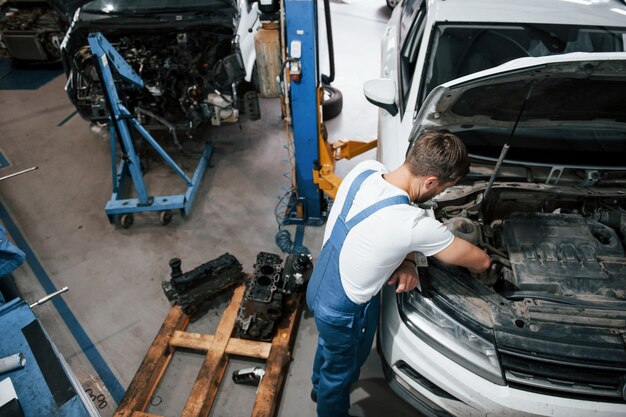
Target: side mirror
[(381, 92)]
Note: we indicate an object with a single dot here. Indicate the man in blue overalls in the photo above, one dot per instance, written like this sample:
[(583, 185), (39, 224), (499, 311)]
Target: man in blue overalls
[(371, 232)]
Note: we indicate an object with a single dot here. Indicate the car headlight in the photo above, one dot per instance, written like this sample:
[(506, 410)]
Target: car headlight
[(449, 337)]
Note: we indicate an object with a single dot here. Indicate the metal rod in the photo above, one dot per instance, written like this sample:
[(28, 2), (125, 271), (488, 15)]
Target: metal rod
[(505, 149), (506, 146), (49, 297), (15, 174), (67, 118)]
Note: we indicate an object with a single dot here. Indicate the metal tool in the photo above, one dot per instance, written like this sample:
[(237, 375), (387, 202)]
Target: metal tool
[(49, 297), (248, 375), (15, 174)]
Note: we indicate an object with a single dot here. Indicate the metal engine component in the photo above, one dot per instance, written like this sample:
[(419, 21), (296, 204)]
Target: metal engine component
[(252, 375), (564, 255), (193, 289), (464, 228), (32, 31), (190, 78), (262, 305)]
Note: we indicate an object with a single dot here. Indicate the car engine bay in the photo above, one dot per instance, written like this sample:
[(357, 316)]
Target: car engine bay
[(547, 244), (31, 31), (190, 77)]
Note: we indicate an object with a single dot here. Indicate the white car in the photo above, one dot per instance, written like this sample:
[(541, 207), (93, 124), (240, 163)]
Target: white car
[(538, 100)]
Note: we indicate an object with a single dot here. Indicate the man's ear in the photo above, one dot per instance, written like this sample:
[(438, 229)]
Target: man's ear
[(431, 182)]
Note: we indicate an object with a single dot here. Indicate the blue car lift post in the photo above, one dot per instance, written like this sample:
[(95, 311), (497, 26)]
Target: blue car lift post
[(307, 204), (119, 206)]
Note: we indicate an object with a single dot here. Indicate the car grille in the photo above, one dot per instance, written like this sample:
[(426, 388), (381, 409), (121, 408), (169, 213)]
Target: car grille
[(566, 379)]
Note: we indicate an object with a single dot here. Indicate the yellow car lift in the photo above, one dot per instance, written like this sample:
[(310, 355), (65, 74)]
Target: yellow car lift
[(324, 175)]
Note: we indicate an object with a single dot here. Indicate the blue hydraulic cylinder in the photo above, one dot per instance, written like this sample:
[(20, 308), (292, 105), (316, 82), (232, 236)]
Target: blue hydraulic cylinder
[(302, 44)]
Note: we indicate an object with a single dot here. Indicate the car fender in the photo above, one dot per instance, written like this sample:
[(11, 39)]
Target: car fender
[(248, 25)]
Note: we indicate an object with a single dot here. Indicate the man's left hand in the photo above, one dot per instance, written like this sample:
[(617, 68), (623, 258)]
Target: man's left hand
[(405, 276)]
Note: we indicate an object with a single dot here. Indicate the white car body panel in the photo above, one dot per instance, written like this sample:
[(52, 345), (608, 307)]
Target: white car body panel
[(436, 109), (478, 397), (249, 20), (394, 131)]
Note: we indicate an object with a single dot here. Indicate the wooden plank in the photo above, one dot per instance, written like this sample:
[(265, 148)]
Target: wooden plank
[(266, 404), (248, 348), (154, 364), (142, 414), (210, 376), (188, 340), (235, 346), (268, 63)]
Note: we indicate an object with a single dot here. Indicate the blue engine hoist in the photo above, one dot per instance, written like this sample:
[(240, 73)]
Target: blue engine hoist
[(120, 207)]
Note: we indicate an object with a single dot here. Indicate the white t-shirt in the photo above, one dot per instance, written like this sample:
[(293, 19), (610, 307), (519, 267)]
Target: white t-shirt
[(375, 247)]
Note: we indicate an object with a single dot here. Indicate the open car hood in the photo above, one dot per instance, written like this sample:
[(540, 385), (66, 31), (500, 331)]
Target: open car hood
[(566, 110), (68, 7)]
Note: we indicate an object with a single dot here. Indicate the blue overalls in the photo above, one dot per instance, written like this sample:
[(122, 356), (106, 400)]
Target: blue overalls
[(346, 329)]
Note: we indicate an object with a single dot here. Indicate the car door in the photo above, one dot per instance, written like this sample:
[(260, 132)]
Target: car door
[(402, 54)]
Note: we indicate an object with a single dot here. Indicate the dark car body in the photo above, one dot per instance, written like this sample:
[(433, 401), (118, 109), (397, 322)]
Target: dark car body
[(32, 30)]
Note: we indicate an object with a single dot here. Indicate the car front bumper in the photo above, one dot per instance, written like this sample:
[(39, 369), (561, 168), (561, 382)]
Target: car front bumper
[(439, 387)]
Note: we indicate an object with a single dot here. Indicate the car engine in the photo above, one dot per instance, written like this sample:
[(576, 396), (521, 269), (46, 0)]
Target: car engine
[(262, 305), (31, 31), (189, 77), (540, 244)]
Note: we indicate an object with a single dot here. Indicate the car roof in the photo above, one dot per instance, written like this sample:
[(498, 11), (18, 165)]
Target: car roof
[(579, 12)]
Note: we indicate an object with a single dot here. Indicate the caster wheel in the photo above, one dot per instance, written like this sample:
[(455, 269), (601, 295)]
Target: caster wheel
[(166, 217), (127, 220)]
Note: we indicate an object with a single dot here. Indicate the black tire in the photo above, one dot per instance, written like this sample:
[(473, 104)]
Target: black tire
[(392, 3), (166, 217), (127, 220), (333, 102)]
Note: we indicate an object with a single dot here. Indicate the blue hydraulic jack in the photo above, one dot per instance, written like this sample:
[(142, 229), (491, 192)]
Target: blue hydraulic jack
[(119, 207)]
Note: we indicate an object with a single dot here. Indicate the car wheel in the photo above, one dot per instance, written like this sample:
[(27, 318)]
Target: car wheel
[(333, 102), (392, 3)]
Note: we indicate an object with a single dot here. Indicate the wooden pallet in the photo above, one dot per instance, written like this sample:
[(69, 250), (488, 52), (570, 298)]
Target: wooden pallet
[(218, 348)]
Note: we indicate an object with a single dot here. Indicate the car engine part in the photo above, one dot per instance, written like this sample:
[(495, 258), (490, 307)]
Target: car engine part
[(262, 304), (190, 77), (32, 31), (193, 289), (248, 375), (567, 248), (563, 254)]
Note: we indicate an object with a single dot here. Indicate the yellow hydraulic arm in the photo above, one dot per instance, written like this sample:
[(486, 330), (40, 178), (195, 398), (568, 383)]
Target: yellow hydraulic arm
[(324, 175)]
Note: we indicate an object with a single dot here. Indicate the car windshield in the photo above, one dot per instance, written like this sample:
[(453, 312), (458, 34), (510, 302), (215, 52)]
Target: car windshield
[(141, 6), (461, 49)]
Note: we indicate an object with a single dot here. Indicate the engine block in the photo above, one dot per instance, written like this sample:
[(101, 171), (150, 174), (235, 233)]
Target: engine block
[(193, 289), (262, 305)]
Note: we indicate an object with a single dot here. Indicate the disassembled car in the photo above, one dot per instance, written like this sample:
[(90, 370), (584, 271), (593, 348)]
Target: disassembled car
[(195, 57)]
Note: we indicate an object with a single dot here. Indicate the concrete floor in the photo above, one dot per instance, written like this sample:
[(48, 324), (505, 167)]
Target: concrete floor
[(115, 274)]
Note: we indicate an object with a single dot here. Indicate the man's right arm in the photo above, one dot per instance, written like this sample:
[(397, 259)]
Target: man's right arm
[(462, 253)]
